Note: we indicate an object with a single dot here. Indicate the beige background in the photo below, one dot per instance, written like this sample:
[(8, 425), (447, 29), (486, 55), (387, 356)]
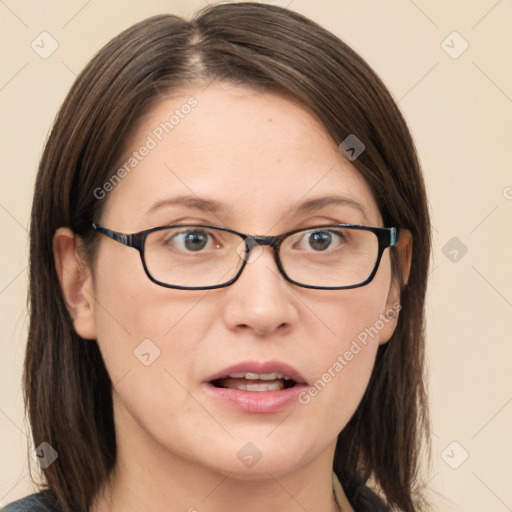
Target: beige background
[(460, 113)]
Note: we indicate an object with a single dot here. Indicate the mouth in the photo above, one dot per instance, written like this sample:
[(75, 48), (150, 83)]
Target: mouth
[(257, 377), (254, 381), (256, 387)]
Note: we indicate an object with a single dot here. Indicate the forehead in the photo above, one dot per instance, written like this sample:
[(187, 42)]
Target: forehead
[(256, 154)]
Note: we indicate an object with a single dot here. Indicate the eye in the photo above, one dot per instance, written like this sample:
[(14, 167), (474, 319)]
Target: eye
[(320, 240), (192, 240)]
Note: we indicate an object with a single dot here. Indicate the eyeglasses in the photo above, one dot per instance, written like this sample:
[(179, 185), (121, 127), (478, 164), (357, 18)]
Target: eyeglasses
[(201, 257)]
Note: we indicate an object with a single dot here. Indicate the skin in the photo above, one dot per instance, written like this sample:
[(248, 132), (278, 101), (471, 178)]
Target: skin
[(258, 155)]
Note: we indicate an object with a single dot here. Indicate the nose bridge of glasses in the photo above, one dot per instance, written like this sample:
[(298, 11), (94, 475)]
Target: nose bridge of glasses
[(253, 241), (253, 247)]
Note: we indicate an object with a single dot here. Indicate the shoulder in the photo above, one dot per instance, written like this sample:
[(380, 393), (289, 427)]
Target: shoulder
[(38, 502), (363, 499), (360, 497)]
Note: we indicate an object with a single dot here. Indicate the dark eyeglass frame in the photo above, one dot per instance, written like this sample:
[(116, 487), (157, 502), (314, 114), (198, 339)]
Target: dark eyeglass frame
[(387, 237)]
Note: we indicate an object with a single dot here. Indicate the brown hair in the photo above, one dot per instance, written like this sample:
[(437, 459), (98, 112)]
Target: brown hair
[(67, 388)]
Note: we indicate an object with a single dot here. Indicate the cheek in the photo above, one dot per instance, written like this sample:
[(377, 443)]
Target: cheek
[(343, 356), (344, 329), (141, 327), (340, 317), (146, 336)]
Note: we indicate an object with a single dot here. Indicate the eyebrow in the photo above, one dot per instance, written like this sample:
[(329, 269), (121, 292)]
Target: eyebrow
[(192, 202), (322, 202), (212, 206)]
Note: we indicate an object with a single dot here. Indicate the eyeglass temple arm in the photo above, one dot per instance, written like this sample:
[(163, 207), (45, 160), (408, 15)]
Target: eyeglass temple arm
[(118, 237)]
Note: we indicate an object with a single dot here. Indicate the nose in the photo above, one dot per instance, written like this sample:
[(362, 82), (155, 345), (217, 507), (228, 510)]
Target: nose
[(261, 301)]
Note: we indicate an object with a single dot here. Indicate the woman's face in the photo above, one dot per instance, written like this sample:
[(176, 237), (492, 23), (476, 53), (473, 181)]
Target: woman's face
[(258, 158)]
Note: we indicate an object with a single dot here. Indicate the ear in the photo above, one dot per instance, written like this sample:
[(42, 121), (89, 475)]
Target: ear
[(390, 315), (75, 280)]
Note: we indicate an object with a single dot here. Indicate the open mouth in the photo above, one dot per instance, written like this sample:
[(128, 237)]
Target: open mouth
[(254, 381)]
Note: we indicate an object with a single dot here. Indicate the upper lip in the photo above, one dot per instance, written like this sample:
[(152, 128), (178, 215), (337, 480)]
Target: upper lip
[(259, 367)]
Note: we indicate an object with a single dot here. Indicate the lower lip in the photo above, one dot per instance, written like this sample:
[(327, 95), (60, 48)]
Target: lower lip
[(262, 402)]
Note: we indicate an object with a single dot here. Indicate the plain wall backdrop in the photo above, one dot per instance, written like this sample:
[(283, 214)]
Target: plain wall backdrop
[(448, 66)]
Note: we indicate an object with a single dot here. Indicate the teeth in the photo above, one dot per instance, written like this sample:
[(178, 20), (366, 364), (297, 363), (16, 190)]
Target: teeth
[(264, 387), (259, 376), (260, 387)]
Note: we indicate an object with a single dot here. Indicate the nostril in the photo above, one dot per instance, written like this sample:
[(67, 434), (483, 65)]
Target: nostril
[(281, 328)]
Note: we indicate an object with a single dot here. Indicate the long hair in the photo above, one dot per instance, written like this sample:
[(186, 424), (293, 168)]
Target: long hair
[(67, 389)]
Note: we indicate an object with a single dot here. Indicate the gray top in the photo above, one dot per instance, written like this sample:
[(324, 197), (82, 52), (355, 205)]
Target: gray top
[(32, 503), (364, 500)]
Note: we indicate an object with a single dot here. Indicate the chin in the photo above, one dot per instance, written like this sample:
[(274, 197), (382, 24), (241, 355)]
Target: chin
[(255, 461)]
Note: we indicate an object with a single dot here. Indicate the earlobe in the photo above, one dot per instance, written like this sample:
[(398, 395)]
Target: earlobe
[(75, 281), (393, 306)]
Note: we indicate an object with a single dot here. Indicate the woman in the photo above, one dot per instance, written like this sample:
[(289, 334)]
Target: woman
[(229, 253)]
